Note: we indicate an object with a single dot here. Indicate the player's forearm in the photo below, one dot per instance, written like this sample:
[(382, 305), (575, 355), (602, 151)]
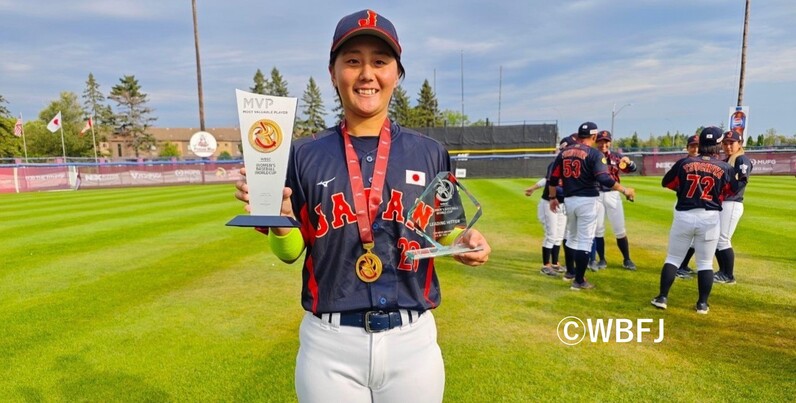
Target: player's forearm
[(287, 247)]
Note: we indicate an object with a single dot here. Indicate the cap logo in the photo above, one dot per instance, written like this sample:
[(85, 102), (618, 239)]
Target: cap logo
[(370, 21)]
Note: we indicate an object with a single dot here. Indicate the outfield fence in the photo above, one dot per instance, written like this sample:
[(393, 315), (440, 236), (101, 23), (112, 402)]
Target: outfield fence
[(30, 177)]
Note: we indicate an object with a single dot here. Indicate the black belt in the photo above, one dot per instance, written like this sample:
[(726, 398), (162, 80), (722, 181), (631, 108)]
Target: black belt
[(371, 321)]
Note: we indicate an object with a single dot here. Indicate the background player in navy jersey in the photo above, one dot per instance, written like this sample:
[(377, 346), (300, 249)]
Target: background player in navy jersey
[(732, 207), (581, 167), (610, 205), (701, 183), (684, 271), (553, 222), (368, 334)]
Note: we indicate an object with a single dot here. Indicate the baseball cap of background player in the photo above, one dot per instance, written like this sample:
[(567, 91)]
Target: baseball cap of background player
[(366, 22), (734, 136), (693, 140), (603, 135), (587, 129), (567, 141), (710, 136)]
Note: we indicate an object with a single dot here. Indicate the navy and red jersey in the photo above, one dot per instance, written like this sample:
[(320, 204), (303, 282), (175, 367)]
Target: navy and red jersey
[(612, 161), (743, 168), (580, 168), (701, 182), (323, 205), (546, 189)]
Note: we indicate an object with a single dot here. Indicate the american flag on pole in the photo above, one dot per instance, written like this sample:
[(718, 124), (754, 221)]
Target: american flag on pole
[(87, 127), (18, 127)]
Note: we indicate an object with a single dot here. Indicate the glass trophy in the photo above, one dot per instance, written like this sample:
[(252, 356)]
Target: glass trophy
[(266, 128), (443, 207)]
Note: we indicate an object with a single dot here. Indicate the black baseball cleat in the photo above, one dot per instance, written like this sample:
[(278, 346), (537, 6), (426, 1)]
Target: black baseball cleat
[(702, 308), (602, 265), (593, 265), (722, 278), (568, 277), (683, 273), (628, 264), (659, 302), (547, 270)]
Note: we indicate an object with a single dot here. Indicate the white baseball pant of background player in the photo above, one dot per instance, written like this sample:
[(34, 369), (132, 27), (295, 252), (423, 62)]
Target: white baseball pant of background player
[(553, 223), (610, 205), (731, 212), (700, 227), (581, 221)]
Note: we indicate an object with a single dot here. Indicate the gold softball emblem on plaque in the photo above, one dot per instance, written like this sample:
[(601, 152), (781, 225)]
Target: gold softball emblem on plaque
[(265, 135), (368, 266)]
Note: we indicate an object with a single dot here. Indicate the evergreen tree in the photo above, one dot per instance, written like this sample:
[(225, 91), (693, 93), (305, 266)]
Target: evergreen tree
[(399, 106), (134, 115), (313, 110), (260, 83), (338, 111), (277, 86), (3, 110), (456, 119), (427, 108), (635, 143), (95, 105)]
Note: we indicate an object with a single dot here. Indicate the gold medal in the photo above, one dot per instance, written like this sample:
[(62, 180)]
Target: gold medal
[(368, 265), (622, 165)]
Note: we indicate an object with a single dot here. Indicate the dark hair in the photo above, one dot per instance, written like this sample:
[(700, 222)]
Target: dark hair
[(710, 150)]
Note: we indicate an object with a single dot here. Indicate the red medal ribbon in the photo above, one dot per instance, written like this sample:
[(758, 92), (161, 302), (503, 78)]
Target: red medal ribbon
[(366, 211)]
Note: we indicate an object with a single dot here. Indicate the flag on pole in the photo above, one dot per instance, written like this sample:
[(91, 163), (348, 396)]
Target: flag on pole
[(87, 127), (18, 128), (55, 124)]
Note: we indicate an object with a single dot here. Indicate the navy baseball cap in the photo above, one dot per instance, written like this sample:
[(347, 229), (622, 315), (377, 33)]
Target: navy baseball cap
[(603, 135), (734, 136), (711, 136), (693, 140), (587, 129), (567, 141), (366, 22)]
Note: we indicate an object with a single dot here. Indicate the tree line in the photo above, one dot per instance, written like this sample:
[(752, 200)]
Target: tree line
[(131, 117)]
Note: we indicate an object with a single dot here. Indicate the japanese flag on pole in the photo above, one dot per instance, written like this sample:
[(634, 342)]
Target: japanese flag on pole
[(55, 124), (87, 127)]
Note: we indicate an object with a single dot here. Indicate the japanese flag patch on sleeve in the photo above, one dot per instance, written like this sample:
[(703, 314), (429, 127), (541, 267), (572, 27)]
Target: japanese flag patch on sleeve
[(415, 177)]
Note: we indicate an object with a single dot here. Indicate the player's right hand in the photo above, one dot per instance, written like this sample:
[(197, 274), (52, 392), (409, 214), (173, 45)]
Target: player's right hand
[(630, 193), (554, 205), (242, 192), (529, 191)]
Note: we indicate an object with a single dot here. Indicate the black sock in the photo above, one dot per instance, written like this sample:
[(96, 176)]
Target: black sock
[(581, 264), (569, 260), (600, 247), (728, 256), (623, 247), (688, 256), (720, 260), (545, 255), (593, 253), (667, 278), (705, 280), (554, 253)]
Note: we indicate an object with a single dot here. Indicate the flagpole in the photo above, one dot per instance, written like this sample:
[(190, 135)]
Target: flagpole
[(63, 145), (94, 139), (24, 143)]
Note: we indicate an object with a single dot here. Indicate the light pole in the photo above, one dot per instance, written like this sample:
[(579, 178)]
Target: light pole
[(615, 112)]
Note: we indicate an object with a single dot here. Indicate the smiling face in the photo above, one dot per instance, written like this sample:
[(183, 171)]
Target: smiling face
[(730, 146), (365, 73), (603, 146)]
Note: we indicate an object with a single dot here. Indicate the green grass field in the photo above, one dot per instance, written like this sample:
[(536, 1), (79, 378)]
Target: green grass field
[(144, 295)]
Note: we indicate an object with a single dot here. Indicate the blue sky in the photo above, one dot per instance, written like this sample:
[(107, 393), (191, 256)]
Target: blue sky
[(677, 62)]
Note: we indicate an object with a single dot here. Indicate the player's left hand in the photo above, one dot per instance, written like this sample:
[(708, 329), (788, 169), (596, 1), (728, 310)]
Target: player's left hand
[(474, 239)]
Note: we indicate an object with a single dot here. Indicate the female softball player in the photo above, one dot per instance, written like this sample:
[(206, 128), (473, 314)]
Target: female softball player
[(732, 207), (701, 183), (368, 334)]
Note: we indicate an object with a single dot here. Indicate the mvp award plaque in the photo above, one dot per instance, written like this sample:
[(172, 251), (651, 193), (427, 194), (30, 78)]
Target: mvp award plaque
[(441, 209), (266, 128)]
